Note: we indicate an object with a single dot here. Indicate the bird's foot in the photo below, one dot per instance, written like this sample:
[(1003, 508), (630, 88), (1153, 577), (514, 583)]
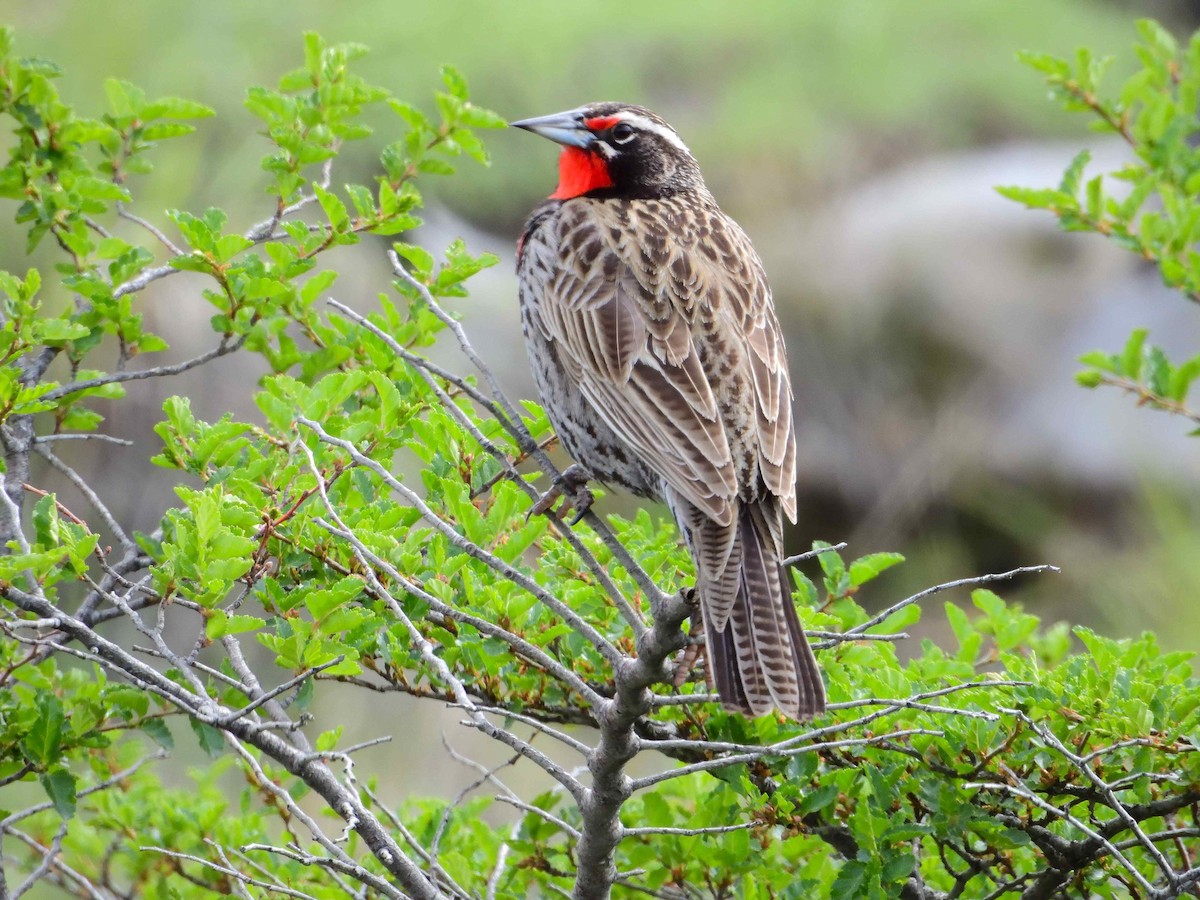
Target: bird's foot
[(571, 485), (694, 655)]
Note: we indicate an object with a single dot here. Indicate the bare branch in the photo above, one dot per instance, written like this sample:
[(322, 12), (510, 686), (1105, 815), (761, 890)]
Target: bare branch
[(49, 855), (519, 645), (477, 719), (813, 554), (124, 212), (427, 371), (597, 640), (1031, 797), (83, 886), (222, 349), (639, 784), (82, 436), (687, 832), (938, 588), (281, 689), (86, 489), (15, 817), (1113, 801), (228, 871)]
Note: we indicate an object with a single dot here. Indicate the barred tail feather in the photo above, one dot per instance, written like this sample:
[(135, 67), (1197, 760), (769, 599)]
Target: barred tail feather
[(758, 654)]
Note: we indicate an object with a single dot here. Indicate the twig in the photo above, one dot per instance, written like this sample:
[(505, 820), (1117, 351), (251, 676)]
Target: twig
[(563, 738), (157, 232), (15, 817), (14, 518), (276, 691), (493, 882), (82, 436), (938, 588), (314, 773), (519, 645), (1031, 797), (425, 648), (813, 554), (48, 858), (83, 884), (86, 489), (222, 349), (687, 832), (756, 753), (1113, 802), (833, 638), (230, 872), (427, 371), (597, 640)]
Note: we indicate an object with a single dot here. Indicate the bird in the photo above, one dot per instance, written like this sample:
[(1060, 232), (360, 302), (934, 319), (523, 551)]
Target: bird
[(660, 362)]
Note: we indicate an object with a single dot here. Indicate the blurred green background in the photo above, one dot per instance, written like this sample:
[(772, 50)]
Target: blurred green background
[(932, 326)]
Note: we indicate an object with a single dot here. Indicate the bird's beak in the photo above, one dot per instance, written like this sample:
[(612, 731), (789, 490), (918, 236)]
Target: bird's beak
[(562, 128)]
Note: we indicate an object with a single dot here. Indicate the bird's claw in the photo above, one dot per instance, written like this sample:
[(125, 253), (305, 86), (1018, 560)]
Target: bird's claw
[(571, 485), (695, 653)]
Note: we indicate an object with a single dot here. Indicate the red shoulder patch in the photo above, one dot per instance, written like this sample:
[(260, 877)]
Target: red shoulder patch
[(580, 172)]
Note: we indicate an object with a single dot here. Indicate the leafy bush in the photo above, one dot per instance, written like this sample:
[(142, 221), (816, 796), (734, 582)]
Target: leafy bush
[(1009, 763), (1155, 211)]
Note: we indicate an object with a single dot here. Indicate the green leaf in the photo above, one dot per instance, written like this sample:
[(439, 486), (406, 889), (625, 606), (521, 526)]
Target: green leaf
[(1098, 359), (360, 196), (1131, 356), (211, 740), (815, 801), (868, 567), (898, 867), (1182, 378), (161, 131), (1037, 198), (46, 521), (60, 786), (99, 189), (240, 624), (413, 116), (215, 627), (1074, 173), (60, 330), (421, 259), (1095, 198), (328, 740), (334, 208), (850, 881), (1048, 65), (43, 744), (176, 108), (124, 99), (1158, 38), (159, 732), (478, 117), (454, 81), (1158, 372)]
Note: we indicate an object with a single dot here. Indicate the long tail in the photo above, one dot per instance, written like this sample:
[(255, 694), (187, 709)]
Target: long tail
[(757, 651)]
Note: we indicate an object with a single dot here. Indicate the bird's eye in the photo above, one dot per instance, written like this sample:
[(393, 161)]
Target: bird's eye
[(623, 133)]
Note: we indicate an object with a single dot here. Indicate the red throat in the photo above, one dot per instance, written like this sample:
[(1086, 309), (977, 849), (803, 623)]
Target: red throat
[(579, 172)]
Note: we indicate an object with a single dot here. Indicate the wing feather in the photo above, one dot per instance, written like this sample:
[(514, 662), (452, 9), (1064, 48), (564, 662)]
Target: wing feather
[(636, 363), (630, 322), (767, 359)]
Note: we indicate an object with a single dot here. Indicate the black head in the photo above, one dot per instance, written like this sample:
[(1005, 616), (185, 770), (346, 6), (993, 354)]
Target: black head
[(617, 150)]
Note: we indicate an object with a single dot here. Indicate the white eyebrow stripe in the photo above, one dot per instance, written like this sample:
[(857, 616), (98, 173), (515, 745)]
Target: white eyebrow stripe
[(649, 125)]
